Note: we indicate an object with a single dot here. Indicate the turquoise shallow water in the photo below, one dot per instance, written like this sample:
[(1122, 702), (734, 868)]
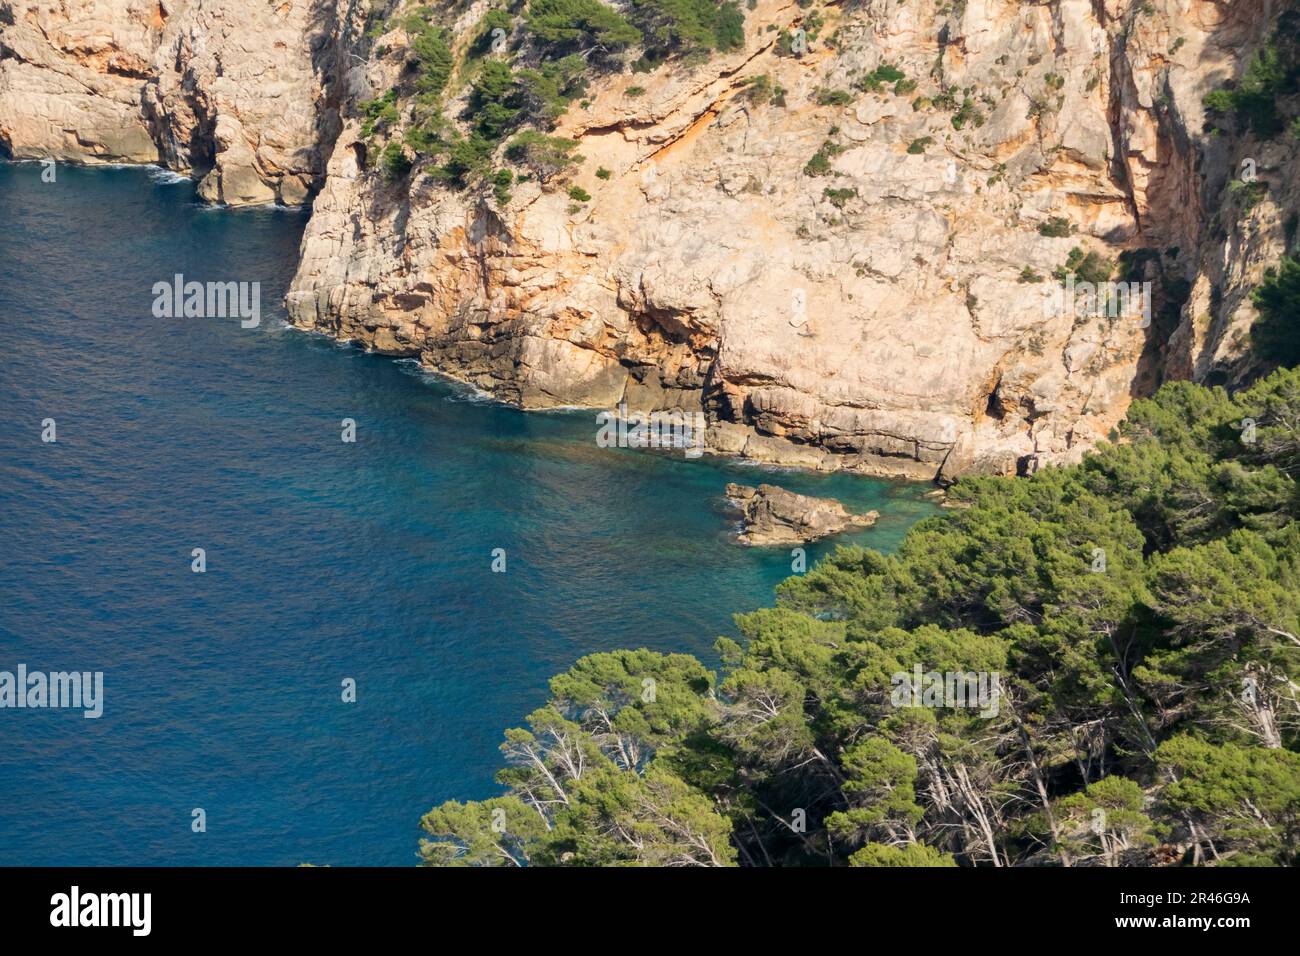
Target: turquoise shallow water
[(324, 560)]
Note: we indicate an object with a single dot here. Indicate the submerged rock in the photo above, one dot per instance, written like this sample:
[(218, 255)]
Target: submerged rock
[(773, 516)]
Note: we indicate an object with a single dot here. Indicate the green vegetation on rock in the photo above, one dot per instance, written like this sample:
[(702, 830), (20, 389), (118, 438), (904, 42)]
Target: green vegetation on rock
[(1276, 334), (523, 68), (1142, 611), (1269, 75), (544, 156), (1085, 267)]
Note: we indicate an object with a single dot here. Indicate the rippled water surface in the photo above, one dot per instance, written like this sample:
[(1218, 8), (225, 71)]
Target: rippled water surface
[(325, 560)]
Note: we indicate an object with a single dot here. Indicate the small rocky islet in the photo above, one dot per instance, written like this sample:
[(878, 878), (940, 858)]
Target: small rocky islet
[(772, 516)]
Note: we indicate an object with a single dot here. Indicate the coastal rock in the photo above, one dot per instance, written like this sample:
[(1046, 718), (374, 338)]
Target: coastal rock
[(238, 95), (863, 285), (894, 316), (773, 516)]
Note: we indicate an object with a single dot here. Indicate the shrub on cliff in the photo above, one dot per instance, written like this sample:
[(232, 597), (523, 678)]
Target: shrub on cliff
[(1272, 73), (1057, 227), (493, 21), (380, 114), (502, 99), (489, 100), (681, 26), (467, 159), (544, 93), (876, 80), (572, 25), (545, 156), (431, 58), (1276, 334), (394, 162), (829, 97), (1084, 267), (839, 198), (758, 89)]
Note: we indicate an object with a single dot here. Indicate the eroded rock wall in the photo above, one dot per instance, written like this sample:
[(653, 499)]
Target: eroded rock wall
[(887, 317), (238, 93), (889, 308)]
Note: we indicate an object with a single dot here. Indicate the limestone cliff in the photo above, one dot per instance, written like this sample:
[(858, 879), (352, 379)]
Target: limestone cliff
[(238, 93), (839, 270), (882, 317)]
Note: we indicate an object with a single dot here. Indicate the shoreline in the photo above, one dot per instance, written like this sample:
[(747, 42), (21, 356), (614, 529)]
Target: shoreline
[(470, 394), (785, 456)]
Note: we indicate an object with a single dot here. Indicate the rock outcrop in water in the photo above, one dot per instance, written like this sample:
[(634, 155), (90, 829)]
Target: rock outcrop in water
[(772, 516), (840, 272)]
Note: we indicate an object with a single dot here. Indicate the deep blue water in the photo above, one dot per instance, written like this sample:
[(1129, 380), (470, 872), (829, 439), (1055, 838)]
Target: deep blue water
[(325, 560)]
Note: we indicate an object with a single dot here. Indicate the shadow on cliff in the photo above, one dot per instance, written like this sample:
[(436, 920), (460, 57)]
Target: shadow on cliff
[(1183, 236), (336, 33)]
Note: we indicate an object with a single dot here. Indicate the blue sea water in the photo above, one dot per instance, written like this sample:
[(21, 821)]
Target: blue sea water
[(325, 560)]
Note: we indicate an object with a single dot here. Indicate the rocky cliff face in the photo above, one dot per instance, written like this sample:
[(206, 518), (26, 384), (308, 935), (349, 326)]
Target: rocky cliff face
[(882, 317), (839, 272), (238, 93)]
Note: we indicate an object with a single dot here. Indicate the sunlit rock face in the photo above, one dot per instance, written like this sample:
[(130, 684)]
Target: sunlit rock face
[(238, 94), (846, 274)]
